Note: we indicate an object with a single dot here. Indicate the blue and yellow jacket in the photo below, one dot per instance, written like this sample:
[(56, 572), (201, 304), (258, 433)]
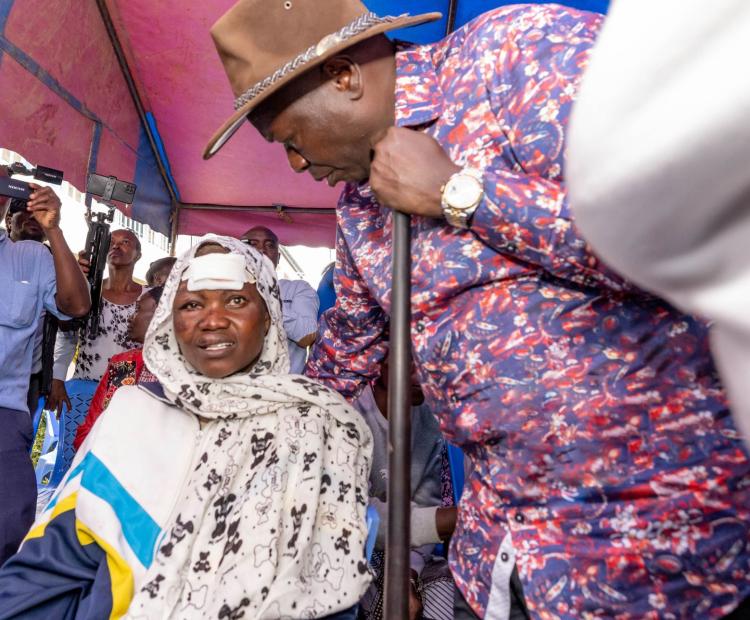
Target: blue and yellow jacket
[(90, 548)]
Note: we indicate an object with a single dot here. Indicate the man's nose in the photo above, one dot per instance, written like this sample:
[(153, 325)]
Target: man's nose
[(296, 161)]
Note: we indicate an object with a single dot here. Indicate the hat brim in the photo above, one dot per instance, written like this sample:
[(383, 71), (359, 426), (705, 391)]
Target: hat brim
[(228, 129)]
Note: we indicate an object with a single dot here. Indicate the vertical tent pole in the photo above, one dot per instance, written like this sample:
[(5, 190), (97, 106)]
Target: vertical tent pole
[(399, 425), (399, 414), (452, 10)]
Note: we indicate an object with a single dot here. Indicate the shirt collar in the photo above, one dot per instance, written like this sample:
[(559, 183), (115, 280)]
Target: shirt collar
[(3, 235), (419, 99)]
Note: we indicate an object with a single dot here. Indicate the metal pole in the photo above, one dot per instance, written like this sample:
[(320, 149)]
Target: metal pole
[(452, 11), (398, 533), (399, 425), (259, 209), (133, 89)]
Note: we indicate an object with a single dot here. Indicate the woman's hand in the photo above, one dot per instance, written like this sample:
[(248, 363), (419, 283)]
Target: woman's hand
[(58, 396), (83, 262)]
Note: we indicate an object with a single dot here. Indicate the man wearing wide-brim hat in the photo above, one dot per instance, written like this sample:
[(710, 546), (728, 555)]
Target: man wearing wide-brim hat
[(603, 459)]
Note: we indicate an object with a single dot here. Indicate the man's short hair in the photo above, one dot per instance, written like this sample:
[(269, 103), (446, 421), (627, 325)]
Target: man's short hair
[(17, 205), (158, 265)]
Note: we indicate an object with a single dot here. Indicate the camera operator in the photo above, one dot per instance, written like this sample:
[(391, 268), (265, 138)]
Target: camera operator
[(30, 279), (119, 294), (22, 226)]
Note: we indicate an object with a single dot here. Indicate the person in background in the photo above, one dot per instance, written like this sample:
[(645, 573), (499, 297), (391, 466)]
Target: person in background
[(603, 460), (125, 368), (159, 270), (228, 489), (119, 294), (31, 279), (431, 523), (299, 301), (22, 226), (659, 162)]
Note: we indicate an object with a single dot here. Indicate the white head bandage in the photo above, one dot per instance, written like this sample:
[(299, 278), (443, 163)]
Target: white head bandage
[(217, 272)]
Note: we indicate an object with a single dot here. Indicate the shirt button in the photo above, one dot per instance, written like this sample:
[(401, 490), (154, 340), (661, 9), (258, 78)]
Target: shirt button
[(519, 518), (504, 556), (420, 327)]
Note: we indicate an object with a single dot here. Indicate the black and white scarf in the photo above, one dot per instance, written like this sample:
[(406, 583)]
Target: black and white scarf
[(272, 521)]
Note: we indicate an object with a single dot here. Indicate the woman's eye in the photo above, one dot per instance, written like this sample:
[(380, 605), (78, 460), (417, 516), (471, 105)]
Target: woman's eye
[(189, 305), (237, 300)]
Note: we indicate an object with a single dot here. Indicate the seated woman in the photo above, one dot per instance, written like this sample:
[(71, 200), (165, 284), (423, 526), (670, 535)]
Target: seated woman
[(229, 489), (125, 368)]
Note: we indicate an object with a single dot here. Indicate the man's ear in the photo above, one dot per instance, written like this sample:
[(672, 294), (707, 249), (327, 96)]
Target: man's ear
[(346, 76)]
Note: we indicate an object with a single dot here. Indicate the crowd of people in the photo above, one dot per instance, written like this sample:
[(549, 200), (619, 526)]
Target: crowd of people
[(238, 433)]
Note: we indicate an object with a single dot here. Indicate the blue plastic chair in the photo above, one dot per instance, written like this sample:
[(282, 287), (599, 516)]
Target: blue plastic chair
[(456, 462), (80, 393), (372, 519), (48, 453), (36, 416)]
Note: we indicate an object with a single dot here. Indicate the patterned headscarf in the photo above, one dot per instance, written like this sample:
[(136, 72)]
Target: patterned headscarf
[(232, 396), (272, 520)]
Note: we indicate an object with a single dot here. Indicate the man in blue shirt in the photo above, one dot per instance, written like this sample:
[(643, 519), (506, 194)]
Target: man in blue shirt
[(31, 279), (299, 301)]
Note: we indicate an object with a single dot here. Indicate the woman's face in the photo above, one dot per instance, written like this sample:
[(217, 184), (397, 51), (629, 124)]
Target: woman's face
[(141, 318), (220, 332)]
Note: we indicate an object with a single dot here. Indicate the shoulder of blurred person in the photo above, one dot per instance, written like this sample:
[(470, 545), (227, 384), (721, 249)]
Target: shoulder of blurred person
[(658, 165)]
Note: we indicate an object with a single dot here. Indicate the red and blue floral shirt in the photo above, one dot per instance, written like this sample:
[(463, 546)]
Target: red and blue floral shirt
[(604, 462)]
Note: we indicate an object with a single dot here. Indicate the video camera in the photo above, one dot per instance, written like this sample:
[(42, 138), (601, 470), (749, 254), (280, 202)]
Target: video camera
[(13, 188), (98, 238)]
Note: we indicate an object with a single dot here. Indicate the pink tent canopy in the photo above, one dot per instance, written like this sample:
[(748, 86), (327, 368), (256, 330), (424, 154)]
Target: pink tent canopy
[(134, 89), (66, 104)]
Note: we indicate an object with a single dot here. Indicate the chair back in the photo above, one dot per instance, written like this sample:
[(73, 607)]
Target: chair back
[(372, 519), (80, 392), (48, 452), (456, 461)]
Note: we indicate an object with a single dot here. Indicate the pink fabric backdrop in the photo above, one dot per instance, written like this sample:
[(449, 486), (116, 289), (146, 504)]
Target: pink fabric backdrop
[(59, 78), (182, 81)]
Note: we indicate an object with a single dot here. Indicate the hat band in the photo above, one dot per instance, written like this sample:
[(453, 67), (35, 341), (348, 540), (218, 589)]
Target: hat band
[(358, 26)]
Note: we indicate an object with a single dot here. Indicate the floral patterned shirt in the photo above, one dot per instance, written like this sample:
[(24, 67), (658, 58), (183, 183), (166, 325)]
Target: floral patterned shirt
[(604, 460)]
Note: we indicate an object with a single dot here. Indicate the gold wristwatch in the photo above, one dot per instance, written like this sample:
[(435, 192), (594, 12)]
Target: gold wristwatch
[(461, 196)]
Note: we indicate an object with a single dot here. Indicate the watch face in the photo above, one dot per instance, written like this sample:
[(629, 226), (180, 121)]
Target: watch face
[(463, 191)]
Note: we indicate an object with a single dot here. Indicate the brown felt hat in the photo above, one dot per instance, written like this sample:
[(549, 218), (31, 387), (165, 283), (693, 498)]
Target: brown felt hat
[(265, 44)]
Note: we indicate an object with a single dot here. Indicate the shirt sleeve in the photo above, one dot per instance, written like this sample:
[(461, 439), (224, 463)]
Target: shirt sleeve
[(48, 284), (352, 342), (301, 314), (531, 87), (58, 571), (65, 350)]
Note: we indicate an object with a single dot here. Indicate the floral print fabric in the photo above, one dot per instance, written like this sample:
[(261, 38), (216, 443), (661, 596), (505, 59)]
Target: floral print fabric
[(604, 459)]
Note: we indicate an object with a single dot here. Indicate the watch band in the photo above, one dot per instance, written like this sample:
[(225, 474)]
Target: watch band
[(460, 217)]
